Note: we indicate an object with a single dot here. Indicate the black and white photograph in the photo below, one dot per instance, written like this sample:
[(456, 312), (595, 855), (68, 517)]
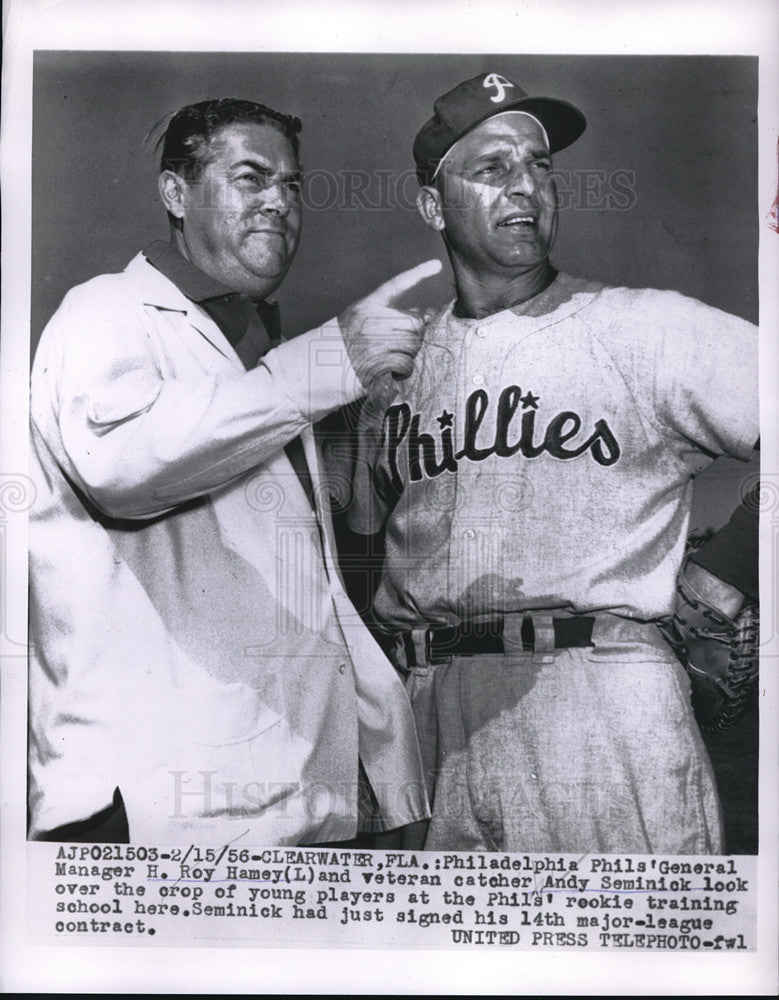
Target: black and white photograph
[(388, 566)]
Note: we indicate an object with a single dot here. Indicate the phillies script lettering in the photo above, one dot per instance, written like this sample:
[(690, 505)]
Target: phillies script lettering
[(431, 455)]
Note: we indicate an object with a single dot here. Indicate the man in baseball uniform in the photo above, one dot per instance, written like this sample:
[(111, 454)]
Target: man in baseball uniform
[(532, 481)]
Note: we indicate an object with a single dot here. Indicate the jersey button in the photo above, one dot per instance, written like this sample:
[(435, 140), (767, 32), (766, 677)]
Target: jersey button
[(480, 331), (478, 379), (469, 534)]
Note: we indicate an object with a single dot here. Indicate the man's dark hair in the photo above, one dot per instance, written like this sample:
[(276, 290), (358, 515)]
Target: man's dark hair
[(186, 140)]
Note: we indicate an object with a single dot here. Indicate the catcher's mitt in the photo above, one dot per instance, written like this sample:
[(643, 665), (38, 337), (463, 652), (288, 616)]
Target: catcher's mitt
[(720, 654)]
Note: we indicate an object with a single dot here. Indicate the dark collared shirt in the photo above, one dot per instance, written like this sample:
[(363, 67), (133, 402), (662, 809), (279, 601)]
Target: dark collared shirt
[(235, 314)]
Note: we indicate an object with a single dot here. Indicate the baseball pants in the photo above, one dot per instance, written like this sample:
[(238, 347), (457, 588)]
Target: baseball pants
[(572, 751)]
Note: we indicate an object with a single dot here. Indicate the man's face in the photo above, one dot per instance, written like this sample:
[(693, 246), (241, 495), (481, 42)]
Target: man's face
[(241, 218), (497, 201)]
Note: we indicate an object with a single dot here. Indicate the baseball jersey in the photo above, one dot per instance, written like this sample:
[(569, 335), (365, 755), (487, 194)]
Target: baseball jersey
[(541, 457)]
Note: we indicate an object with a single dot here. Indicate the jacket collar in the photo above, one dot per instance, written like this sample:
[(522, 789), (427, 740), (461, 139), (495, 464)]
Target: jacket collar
[(194, 283), (154, 289)]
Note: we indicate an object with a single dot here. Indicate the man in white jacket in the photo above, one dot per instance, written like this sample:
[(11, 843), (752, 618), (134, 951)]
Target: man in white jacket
[(197, 673)]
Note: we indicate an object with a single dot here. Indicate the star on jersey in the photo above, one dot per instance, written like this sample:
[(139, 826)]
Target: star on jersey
[(445, 420), (529, 400)]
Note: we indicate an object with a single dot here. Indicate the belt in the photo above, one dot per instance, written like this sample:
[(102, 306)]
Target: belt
[(511, 634)]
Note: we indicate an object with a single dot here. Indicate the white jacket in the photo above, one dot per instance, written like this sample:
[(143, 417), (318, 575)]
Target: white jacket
[(191, 639)]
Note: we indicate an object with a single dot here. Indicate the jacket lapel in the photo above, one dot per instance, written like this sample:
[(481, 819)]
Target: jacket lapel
[(155, 290)]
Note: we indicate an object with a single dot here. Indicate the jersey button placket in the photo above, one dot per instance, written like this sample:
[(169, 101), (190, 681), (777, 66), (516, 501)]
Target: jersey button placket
[(467, 366), (474, 355)]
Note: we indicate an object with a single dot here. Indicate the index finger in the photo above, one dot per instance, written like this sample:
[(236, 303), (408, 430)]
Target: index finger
[(404, 281)]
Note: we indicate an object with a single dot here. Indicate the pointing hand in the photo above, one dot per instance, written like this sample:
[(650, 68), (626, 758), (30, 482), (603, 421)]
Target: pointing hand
[(380, 338)]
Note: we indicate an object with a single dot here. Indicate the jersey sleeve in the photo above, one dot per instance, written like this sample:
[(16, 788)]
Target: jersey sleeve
[(696, 370), (371, 502)]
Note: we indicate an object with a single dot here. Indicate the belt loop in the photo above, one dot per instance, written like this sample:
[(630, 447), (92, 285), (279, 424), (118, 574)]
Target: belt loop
[(512, 634), (417, 639), (545, 635)]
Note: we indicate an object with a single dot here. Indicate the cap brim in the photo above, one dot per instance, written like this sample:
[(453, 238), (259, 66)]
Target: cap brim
[(563, 122)]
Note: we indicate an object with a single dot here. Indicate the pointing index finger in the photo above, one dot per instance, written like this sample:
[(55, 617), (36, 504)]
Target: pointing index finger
[(404, 281)]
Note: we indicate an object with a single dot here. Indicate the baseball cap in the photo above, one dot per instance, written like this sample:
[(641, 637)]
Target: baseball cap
[(474, 101)]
